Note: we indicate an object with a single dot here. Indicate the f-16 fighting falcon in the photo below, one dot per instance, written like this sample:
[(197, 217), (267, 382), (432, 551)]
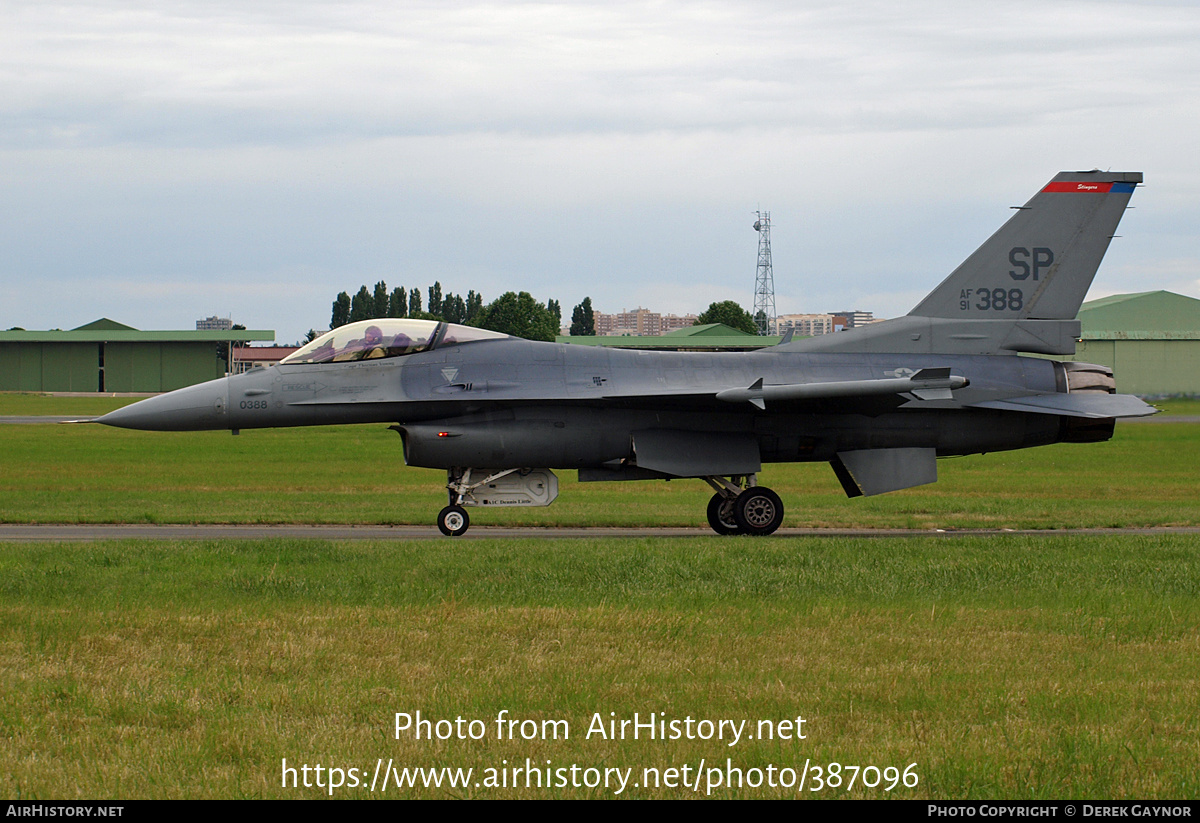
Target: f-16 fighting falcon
[(879, 403)]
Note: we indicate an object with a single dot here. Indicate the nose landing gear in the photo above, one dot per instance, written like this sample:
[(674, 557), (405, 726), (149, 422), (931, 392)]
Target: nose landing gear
[(493, 487), (453, 521)]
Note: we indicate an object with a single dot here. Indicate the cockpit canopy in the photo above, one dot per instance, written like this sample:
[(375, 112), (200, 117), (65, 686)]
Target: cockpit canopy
[(385, 337)]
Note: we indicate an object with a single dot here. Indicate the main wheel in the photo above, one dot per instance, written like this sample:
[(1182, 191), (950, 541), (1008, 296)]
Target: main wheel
[(453, 521), (758, 510), (720, 515)]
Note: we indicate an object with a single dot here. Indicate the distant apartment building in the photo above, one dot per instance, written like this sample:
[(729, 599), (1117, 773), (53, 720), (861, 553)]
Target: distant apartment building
[(674, 322), (810, 325), (214, 324), (855, 319), (604, 323), (639, 323)]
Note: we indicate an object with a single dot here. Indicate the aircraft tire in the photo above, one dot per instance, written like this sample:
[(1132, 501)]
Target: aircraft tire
[(758, 511), (721, 522), (453, 521)]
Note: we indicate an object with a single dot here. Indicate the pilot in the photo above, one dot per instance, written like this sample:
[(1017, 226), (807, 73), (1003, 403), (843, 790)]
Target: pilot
[(369, 346), (373, 344)]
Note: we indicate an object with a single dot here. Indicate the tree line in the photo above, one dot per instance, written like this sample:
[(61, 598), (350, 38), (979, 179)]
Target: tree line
[(512, 313), (399, 302), (515, 313)]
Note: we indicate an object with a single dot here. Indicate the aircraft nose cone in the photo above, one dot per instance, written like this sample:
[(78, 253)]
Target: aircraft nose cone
[(189, 409)]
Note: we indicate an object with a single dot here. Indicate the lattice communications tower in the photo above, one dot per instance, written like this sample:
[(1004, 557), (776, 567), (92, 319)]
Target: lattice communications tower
[(764, 280)]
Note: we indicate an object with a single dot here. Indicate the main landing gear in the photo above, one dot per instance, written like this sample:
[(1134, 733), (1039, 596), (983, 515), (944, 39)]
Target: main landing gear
[(740, 506)]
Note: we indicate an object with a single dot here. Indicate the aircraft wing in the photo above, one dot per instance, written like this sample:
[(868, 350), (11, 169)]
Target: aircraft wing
[(932, 384)]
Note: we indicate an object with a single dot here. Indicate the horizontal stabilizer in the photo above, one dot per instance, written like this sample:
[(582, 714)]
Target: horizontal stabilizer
[(1085, 404), (934, 381), (875, 471)]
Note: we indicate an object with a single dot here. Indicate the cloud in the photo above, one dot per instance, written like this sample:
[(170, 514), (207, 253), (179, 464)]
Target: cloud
[(205, 74), (611, 149)]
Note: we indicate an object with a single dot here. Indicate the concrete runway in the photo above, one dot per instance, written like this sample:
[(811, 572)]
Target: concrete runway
[(90, 533)]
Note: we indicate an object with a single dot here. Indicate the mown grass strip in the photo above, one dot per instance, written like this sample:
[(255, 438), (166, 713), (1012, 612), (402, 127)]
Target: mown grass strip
[(354, 474), (1129, 573), (1004, 667)]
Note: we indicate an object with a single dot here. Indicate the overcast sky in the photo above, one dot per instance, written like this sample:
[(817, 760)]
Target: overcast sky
[(165, 161)]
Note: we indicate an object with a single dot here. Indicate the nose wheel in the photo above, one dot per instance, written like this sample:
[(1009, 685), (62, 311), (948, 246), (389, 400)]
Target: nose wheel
[(453, 521)]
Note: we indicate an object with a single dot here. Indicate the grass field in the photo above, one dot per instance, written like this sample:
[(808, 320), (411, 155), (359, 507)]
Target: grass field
[(1145, 476), (1006, 667), (1002, 668)]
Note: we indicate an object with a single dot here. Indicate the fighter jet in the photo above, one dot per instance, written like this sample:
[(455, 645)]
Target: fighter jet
[(880, 403)]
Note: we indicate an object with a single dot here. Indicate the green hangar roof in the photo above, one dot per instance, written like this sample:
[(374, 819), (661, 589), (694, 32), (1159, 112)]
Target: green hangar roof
[(110, 331), (1151, 341), (1148, 315), (106, 356)]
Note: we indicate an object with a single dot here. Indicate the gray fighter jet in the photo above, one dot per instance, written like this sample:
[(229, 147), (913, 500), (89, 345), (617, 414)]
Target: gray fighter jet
[(880, 404)]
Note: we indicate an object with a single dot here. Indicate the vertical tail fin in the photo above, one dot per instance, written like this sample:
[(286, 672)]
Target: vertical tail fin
[(1019, 291), (1040, 264)]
